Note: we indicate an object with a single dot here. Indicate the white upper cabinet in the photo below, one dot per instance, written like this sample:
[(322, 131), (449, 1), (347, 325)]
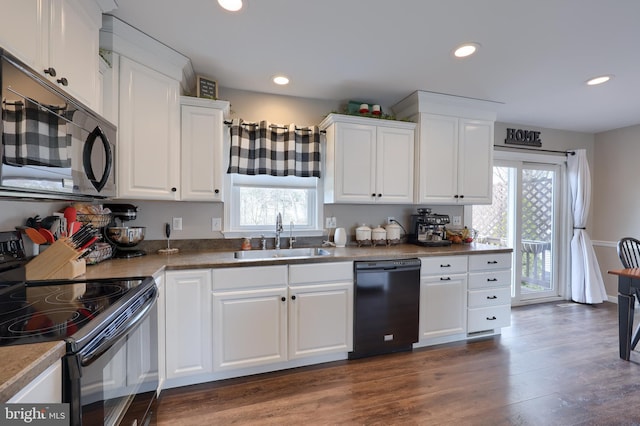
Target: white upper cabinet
[(368, 160), (143, 92), (149, 134), (454, 158), (58, 39), (203, 131)]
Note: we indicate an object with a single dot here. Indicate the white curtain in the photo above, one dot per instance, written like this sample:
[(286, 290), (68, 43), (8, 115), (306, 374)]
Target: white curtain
[(587, 285)]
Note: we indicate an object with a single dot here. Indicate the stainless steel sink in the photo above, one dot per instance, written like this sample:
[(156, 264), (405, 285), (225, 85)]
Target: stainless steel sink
[(281, 253)]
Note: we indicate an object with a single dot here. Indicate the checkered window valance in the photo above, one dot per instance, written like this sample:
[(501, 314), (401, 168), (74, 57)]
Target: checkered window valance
[(267, 149)]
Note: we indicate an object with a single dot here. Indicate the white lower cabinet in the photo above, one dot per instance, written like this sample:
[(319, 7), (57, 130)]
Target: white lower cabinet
[(249, 316), (188, 323), (489, 296), (320, 309), (443, 289), (265, 315), (44, 389)]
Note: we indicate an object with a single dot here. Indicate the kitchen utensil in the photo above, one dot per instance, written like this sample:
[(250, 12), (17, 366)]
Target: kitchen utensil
[(340, 237), (35, 236), (74, 227), (168, 250), (71, 214), (48, 235)]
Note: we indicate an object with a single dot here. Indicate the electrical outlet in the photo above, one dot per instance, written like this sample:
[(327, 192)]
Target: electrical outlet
[(177, 224), (390, 219), (216, 224), (330, 222), (457, 220)]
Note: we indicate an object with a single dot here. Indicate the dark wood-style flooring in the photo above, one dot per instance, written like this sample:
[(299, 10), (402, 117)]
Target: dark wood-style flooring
[(557, 364)]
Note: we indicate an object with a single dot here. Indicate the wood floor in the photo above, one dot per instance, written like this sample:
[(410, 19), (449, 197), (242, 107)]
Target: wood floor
[(557, 364)]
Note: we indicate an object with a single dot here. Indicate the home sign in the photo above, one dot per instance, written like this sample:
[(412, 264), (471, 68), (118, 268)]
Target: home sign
[(523, 137)]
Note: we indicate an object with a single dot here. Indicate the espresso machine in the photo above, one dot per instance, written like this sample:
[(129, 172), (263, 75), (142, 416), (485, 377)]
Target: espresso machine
[(427, 229)]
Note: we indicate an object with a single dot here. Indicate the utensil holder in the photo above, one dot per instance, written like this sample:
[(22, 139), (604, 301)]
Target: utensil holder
[(59, 261)]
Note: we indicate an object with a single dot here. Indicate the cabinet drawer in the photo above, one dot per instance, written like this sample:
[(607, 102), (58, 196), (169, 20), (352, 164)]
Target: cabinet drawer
[(254, 276), (320, 272), (489, 297), (481, 319), (490, 279), (487, 262), (443, 265)]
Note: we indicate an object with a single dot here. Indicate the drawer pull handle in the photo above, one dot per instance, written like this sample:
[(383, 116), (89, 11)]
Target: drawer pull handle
[(492, 279), (491, 318), (445, 266), (445, 278), (492, 297), (492, 262)]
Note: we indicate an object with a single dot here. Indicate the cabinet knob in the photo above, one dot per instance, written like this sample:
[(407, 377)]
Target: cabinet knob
[(63, 81), (51, 71), (293, 297), (379, 195), (217, 191), (373, 195), (284, 299), (174, 189), (462, 196)]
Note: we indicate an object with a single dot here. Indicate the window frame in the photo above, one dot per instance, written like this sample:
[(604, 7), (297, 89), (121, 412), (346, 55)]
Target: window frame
[(233, 183)]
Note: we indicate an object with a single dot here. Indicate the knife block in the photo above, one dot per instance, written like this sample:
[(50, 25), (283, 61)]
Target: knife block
[(60, 261)]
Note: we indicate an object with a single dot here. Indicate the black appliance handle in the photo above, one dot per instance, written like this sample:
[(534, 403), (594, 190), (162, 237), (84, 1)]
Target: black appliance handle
[(91, 353), (86, 158)]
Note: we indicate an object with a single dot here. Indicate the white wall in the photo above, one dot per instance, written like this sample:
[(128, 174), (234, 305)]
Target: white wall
[(616, 200)]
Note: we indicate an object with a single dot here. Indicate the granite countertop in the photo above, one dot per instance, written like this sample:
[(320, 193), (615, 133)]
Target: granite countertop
[(23, 363)]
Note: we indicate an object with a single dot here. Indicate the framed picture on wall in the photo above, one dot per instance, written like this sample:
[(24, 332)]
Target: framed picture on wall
[(207, 88)]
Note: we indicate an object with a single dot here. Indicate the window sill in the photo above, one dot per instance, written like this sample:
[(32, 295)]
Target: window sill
[(271, 234)]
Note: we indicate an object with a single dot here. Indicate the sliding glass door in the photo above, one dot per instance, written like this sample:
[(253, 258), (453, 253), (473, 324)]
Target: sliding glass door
[(525, 216)]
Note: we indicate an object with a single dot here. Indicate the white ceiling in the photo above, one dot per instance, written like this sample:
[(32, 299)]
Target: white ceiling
[(534, 59)]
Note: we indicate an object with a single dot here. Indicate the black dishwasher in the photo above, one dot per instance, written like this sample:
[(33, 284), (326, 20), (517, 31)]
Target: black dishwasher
[(387, 305)]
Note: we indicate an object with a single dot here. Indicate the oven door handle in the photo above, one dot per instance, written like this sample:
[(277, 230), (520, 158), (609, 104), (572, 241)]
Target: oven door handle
[(107, 339)]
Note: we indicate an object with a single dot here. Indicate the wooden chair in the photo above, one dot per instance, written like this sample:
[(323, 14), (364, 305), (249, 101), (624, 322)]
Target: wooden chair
[(629, 254)]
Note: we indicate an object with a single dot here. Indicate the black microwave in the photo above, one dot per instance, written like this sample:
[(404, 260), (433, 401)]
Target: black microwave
[(52, 145)]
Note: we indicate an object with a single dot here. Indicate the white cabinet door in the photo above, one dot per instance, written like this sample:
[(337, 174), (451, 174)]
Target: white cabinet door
[(22, 30), (355, 172), (162, 347), (148, 134), (475, 161), (188, 322), (73, 48), (250, 328), (202, 128), (44, 389), (443, 308), (394, 165), (438, 173), (320, 319), (456, 160)]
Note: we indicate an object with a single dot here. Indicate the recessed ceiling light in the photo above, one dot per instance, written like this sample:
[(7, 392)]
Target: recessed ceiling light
[(599, 80), (465, 50), (231, 5), (281, 80)]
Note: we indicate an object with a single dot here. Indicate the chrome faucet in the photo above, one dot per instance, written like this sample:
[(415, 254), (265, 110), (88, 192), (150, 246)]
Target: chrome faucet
[(292, 239), (278, 230)]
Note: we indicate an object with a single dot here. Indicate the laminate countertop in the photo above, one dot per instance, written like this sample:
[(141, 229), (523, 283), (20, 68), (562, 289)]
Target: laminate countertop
[(23, 363)]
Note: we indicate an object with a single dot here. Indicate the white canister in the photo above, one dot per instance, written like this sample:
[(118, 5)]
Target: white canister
[(340, 237), (393, 233), (379, 236), (363, 234)]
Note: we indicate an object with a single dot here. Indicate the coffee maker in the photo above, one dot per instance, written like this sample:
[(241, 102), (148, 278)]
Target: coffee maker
[(427, 229)]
